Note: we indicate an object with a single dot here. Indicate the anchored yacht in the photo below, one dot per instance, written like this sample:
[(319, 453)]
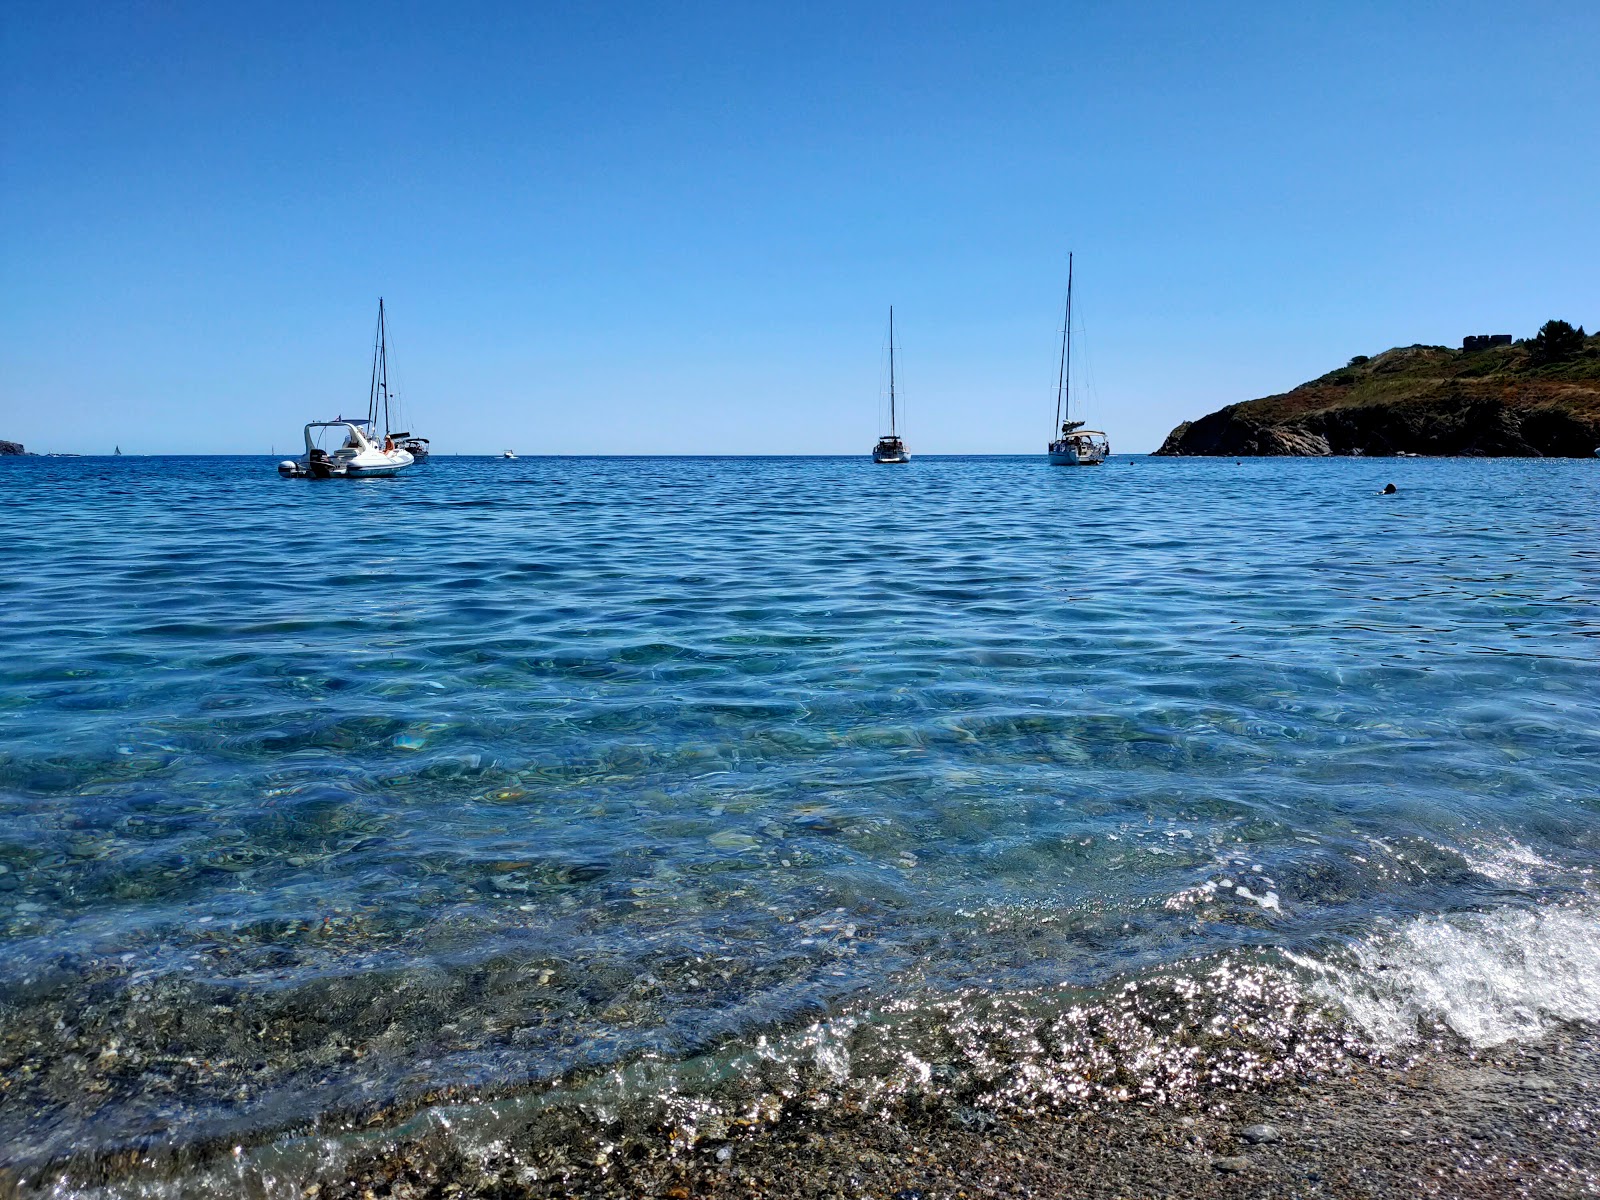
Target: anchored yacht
[(890, 447), (362, 449), (1077, 446)]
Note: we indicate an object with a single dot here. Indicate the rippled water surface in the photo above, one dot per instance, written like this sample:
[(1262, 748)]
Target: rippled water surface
[(319, 798)]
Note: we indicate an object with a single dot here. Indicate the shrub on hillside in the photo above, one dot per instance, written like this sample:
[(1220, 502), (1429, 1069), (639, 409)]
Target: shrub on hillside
[(1555, 341)]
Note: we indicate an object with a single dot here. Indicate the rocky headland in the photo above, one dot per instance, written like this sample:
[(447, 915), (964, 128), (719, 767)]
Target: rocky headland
[(1537, 398), (11, 447)]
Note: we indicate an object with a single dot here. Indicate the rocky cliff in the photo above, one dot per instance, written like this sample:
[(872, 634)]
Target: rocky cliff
[(11, 448), (1505, 401)]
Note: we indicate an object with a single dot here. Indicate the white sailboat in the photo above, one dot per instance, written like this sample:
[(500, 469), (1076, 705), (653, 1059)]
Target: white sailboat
[(364, 450), (890, 447), (1077, 446)]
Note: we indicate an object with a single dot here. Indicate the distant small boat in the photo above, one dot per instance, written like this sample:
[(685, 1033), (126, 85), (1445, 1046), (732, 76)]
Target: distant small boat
[(507, 454), (890, 448), (415, 446), (118, 450), (363, 451), (1077, 446)]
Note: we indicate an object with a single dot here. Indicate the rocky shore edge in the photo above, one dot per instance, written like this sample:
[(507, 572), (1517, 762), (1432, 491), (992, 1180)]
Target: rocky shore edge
[(1517, 1121), (1453, 425), (1538, 398)]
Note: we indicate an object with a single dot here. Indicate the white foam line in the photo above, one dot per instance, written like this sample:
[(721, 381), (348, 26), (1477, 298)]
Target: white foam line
[(1489, 977)]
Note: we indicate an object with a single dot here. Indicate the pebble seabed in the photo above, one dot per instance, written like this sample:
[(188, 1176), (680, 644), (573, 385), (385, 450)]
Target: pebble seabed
[(1228, 1079), (1517, 1122)]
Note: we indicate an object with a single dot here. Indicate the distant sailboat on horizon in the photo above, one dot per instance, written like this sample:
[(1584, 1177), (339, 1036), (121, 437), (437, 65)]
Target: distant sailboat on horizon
[(1077, 446), (890, 448)]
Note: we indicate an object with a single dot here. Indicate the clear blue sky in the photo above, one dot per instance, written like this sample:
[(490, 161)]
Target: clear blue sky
[(678, 227)]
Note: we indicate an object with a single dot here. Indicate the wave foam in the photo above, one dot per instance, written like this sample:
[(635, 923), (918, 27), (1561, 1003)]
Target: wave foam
[(1488, 977)]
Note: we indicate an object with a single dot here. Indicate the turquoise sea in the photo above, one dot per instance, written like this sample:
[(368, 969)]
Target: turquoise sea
[(684, 787)]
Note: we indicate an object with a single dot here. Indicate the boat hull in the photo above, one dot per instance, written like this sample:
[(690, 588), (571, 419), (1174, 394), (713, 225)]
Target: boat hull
[(347, 463), (396, 461), (1079, 448), (291, 468), (890, 449)]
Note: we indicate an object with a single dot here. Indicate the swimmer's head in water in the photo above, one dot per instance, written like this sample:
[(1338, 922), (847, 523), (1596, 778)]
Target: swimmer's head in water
[(1389, 489)]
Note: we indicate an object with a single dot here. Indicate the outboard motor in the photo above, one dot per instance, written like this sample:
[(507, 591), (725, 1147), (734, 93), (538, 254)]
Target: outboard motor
[(318, 466)]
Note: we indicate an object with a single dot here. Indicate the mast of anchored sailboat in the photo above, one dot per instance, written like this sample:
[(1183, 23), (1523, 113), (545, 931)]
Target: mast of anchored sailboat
[(1064, 378), (892, 432), (380, 375)]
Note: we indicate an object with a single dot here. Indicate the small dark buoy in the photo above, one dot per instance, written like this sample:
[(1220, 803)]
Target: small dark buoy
[(1389, 489)]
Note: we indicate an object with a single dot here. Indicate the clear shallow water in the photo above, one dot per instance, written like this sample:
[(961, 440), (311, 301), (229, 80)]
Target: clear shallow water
[(320, 798)]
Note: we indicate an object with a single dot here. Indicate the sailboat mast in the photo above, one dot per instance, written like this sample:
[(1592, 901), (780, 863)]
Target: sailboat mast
[(1067, 362), (379, 388), (372, 388), (1063, 378), (891, 371), (383, 355)]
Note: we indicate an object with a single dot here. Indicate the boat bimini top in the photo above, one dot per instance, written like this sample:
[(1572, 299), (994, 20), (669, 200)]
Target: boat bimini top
[(357, 439)]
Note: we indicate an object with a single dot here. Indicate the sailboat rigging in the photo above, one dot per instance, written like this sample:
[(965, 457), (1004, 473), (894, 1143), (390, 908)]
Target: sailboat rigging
[(379, 392), (890, 447), (1077, 446)]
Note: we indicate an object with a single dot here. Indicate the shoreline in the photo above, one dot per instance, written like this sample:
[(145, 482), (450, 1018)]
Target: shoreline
[(1140, 1086), (1449, 1121), (1518, 1120)]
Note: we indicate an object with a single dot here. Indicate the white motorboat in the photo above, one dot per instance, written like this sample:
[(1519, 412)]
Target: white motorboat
[(358, 456), (891, 448), (362, 450), (1077, 446), (507, 454)]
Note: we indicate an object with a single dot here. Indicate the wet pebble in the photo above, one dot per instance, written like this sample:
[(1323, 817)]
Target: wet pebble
[(1231, 1163), (976, 1118), (1258, 1134)]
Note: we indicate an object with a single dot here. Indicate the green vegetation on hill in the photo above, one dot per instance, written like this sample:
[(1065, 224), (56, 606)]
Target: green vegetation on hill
[(1536, 397)]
